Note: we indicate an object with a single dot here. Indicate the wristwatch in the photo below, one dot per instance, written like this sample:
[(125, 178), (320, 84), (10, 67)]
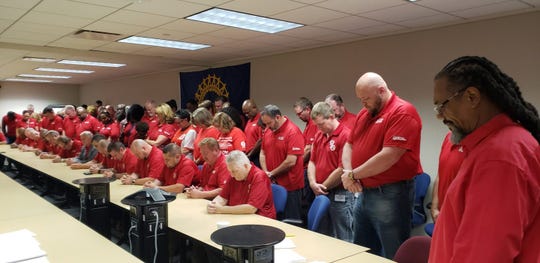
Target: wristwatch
[(351, 175)]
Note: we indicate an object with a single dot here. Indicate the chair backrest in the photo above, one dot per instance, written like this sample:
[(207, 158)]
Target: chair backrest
[(414, 250), (317, 211), (279, 193), (422, 182)]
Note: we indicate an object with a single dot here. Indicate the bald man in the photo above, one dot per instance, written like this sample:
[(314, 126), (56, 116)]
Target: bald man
[(380, 158), (149, 166)]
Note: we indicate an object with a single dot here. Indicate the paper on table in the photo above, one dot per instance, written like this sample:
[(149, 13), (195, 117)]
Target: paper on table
[(287, 256), (18, 246), (285, 243)]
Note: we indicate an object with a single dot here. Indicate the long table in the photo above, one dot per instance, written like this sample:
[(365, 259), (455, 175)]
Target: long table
[(189, 216), (63, 238)]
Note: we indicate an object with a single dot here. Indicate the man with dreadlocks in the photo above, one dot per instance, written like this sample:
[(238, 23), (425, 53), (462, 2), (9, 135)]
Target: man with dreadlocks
[(492, 208)]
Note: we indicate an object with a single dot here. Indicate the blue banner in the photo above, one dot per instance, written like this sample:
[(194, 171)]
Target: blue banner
[(232, 82)]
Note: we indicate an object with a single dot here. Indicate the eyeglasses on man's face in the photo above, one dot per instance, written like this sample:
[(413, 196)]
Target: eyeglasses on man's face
[(440, 107)]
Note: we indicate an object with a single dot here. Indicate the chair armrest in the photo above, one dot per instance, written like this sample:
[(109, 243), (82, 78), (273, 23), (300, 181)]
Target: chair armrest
[(296, 222)]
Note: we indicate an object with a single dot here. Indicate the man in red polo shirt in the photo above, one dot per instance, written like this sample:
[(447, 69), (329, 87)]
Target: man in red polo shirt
[(302, 107), (341, 113), (382, 155), (149, 166), (249, 191), (252, 130), (87, 122), (126, 161), (281, 155), (214, 174), (491, 211), (51, 121), (150, 116), (71, 121), (9, 126), (325, 169), (27, 122), (177, 174), (69, 148)]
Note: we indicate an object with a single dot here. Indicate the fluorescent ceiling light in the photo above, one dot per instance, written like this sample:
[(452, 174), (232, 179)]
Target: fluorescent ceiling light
[(28, 80), (43, 76), (79, 71), (242, 20), (47, 60), (91, 63), (162, 43)]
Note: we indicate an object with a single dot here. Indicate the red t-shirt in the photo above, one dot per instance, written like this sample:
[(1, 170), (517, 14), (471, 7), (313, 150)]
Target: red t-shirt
[(89, 123), (56, 124), (153, 123), (215, 176), (309, 132), (396, 125), (111, 130), (73, 152), (165, 129), (348, 119), (11, 125), (255, 191), (30, 123), (201, 134), (128, 164), (234, 140), (152, 165), (492, 208), (450, 160), (2, 137), (182, 173), (286, 140), (180, 134), (326, 152), (70, 127), (253, 132)]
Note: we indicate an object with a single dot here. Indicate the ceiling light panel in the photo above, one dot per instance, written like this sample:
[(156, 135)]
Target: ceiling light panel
[(244, 21), (28, 80), (91, 63), (43, 76), (156, 42), (77, 71), (46, 60)]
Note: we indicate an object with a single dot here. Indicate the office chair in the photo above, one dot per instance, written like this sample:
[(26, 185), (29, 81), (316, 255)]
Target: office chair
[(429, 229), (279, 194), (414, 250), (422, 182), (317, 210)]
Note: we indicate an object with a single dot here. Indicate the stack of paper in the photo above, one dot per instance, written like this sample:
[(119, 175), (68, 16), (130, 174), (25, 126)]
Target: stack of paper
[(284, 253), (20, 246)]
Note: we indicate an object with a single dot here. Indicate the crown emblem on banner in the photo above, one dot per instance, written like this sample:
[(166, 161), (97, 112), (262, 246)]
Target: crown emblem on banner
[(211, 83)]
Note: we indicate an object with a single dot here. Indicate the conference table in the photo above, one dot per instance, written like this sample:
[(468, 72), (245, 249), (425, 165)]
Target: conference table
[(189, 216)]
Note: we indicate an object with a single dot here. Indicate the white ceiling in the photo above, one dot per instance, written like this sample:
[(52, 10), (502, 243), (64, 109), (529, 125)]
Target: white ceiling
[(45, 28)]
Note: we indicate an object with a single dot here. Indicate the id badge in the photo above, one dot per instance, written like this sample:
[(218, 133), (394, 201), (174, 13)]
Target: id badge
[(339, 198)]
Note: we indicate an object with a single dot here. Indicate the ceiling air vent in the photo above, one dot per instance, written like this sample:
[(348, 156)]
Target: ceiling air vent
[(97, 35)]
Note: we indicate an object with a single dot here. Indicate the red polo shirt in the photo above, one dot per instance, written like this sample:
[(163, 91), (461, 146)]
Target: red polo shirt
[(348, 119), (70, 126), (153, 123), (182, 173), (396, 125), (234, 140), (255, 191), (309, 132), (73, 152), (180, 134), (253, 132), (326, 152), (201, 134), (89, 123), (492, 208), (215, 176), (107, 161), (30, 123), (128, 164), (276, 145), (152, 165), (11, 125), (450, 160), (2, 137), (111, 130), (57, 124)]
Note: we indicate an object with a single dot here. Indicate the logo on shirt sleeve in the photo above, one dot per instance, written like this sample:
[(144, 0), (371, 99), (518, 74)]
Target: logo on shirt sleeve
[(296, 149), (399, 138)]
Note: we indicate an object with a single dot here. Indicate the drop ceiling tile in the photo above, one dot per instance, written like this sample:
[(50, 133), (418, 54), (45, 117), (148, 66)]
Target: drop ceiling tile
[(83, 10), (138, 18), (9, 13), (309, 1), (109, 3), (261, 7), (306, 43), (535, 3), (23, 41), (117, 28), (190, 26), (161, 51), (235, 33), (311, 32), (502, 7), (54, 19), (400, 13), (43, 28), (165, 34), (430, 21), (77, 43), (5, 24), (170, 8), (357, 6), (274, 39), (207, 2), (309, 15), (121, 47), (19, 34), (349, 23), (209, 40), (26, 4), (450, 6), (379, 29)]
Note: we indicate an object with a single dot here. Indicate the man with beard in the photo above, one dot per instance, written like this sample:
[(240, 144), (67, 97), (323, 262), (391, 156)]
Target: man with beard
[(491, 211), (380, 159)]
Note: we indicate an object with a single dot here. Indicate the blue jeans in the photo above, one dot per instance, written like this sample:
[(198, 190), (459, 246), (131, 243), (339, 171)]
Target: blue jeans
[(341, 214), (383, 217)]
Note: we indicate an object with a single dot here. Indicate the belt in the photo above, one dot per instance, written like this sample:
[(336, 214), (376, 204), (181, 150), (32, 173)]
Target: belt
[(383, 186)]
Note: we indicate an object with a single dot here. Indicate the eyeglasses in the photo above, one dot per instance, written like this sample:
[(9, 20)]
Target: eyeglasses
[(440, 107)]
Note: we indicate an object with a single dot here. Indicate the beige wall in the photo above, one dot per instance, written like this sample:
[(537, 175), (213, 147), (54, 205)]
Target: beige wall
[(15, 96)]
